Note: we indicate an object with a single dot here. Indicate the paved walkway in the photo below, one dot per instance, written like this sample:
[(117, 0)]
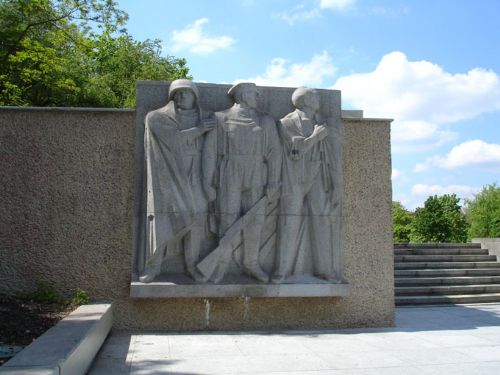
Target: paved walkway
[(440, 340)]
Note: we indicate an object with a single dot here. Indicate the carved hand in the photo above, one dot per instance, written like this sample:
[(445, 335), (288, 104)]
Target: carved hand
[(320, 132), (207, 125)]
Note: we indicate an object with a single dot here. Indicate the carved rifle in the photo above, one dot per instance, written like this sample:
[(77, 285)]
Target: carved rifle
[(215, 264)]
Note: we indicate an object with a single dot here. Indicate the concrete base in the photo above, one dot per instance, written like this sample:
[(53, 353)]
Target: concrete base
[(68, 348), (180, 286)]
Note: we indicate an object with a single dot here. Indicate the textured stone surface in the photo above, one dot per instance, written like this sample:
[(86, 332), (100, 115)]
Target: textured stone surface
[(67, 200)]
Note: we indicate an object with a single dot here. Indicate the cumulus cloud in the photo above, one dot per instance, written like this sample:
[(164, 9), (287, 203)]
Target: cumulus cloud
[(281, 72), (420, 192), (421, 97), (463, 191), (194, 39), (470, 153), (298, 14), (336, 4)]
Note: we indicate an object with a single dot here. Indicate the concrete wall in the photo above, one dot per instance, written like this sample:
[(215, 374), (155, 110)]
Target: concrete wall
[(66, 203), (492, 244)]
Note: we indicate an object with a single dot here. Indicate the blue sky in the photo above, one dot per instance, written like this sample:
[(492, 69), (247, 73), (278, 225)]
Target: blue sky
[(433, 66)]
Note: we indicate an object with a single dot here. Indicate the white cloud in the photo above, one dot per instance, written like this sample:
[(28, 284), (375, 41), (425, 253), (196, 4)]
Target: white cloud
[(280, 72), (463, 191), (420, 192), (390, 12), (470, 153), (396, 173), (420, 167), (336, 4), (194, 39), (421, 97), (298, 15)]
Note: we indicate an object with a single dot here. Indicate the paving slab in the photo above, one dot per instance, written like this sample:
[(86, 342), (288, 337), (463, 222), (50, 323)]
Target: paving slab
[(426, 340)]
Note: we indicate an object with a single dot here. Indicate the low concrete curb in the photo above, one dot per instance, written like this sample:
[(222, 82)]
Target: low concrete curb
[(68, 348)]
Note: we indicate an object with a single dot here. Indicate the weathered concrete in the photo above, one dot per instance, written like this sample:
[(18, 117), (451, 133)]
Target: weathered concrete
[(492, 244), (69, 347), (67, 204)]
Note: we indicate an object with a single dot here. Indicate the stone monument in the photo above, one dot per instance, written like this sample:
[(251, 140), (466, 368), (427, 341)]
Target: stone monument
[(241, 193)]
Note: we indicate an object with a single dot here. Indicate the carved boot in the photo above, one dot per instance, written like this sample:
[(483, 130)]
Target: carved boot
[(196, 275), (255, 271), (329, 277), (148, 276), (277, 278)]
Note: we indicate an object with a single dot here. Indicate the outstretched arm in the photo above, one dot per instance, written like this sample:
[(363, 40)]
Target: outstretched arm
[(197, 131)]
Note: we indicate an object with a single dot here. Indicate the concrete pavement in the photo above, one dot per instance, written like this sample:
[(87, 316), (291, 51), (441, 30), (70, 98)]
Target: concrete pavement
[(426, 340)]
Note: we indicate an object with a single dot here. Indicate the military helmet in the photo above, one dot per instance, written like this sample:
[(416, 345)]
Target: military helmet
[(183, 84)]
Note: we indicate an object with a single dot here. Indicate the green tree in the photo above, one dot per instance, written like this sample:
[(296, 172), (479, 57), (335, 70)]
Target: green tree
[(483, 212), (440, 220), (73, 53), (402, 222), (117, 62)]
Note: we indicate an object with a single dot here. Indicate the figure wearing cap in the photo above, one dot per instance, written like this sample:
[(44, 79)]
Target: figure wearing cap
[(242, 162), (176, 202), (308, 193)]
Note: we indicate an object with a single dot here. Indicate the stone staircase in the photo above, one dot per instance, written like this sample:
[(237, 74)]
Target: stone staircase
[(427, 274)]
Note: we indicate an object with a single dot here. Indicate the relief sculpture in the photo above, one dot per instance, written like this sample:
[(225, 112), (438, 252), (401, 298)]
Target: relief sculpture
[(239, 194)]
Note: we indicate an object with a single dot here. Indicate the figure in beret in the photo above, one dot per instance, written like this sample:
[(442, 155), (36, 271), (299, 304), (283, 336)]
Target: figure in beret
[(241, 167)]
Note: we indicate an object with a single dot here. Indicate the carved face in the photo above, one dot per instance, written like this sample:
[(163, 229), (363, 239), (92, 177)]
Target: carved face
[(184, 98), (249, 96)]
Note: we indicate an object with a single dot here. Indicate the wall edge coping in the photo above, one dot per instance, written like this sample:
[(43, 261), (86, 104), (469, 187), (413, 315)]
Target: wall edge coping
[(371, 119), (66, 109)]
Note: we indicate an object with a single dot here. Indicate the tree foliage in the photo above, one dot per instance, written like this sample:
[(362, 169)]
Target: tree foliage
[(440, 220), (402, 222), (73, 53), (483, 212)]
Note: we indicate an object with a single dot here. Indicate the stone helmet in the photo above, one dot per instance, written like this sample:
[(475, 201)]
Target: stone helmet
[(183, 84)]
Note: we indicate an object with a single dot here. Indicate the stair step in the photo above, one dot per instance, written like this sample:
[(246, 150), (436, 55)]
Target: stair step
[(400, 274), (445, 258), (447, 290), (447, 299), (437, 246), (466, 280), (465, 251), (444, 265)]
